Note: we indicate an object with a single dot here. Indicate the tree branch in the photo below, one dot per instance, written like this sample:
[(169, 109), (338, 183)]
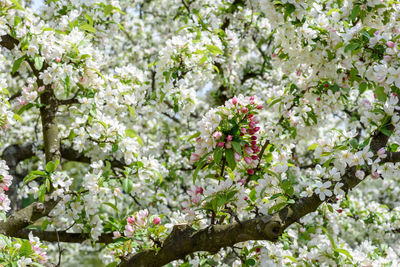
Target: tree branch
[(51, 236)]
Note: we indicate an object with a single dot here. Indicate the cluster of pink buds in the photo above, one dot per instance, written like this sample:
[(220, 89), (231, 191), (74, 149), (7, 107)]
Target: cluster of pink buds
[(137, 221)]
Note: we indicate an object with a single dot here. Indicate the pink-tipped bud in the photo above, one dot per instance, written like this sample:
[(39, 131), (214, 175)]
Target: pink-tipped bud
[(131, 220), (253, 142), (228, 145), (382, 153), (194, 157), (217, 135), (199, 190), (259, 107), (252, 124), (244, 110), (248, 150), (250, 116), (254, 138), (237, 157), (241, 181), (251, 97), (387, 58), (116, 234), (156, 220), (256, 129), (390, 44), (248, 160), (243, 130), (229, 138), (375, 175), (250, 171), (234, 100), (58, 60), (254, 157), (220, 144), (41, 89)]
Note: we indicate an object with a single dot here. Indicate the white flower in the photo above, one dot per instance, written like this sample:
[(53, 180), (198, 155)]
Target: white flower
[(337, 190), (323, 190)]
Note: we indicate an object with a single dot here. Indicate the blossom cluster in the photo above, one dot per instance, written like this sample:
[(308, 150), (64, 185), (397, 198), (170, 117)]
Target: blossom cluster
[(5, 183)]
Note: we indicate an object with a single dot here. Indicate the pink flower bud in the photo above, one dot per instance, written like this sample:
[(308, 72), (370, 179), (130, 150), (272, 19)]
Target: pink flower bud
[(199, 190), (5, 188), (259, 107), (244, 110), (248, 150), (41, 89), (228, 145), (248, 160), (254, 157), (220, 144), (58, 60), (252, 98), (237, 157), (250, 171), (156, 220), (194, 157), (241, 181), (234, 100), (390, 44), (252, 124), (375, 175), (21, 101), (387, 58), (258, 250), (229, 138), (217, 135), (116, 234), (382, 153), (256, 129), (131, 220), (243, 130), (250, 116), (254, 138)]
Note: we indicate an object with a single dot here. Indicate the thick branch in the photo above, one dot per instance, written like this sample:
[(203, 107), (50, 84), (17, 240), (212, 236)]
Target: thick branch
[(51, 236)]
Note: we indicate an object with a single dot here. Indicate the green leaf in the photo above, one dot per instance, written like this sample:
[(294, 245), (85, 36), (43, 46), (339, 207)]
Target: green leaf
[(42, 192), (3, 216), (250, 262), (132, 111), (44, 224), (199, 167), (230, 158), (17, 117), (127, 185), (363, 87), (352, 46), (194, 136), (354, 143), (17, 64), (343, 251), (25, 249), (355, 12), (52, 166), (17, 5), (236, 146), (38, 62), (286, 185), (313, 146), (112, 264), (130, 133), (385, 131), (380, 93), (218, 155), (87, 27), (215, 50), (112, 206)]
